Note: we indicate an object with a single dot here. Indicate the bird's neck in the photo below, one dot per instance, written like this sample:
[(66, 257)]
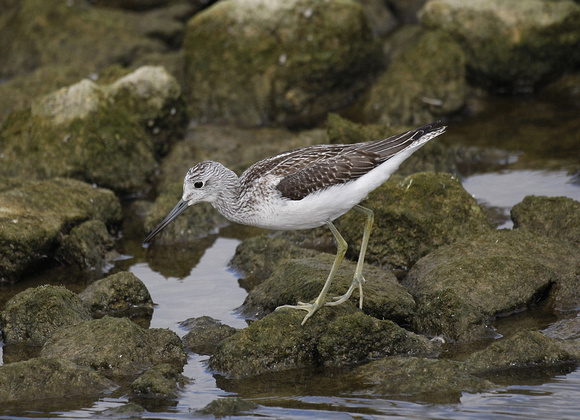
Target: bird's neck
[(227, 201)]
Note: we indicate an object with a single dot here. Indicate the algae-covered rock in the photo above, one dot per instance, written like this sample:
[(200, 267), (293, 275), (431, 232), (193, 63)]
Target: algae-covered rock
[(87, 246), (115, 346), (287, 62), (205, 333), (41, 378), (258, 257), (302, 280), (427, 80), (52, 32), (108, 135), (556, 217), (160, 381), (413, 216), (228, 406), (431, 380), (525, 349), (119, 294), (333, 337), (511, 44), (35, 214), (460, 287), (35, 314)]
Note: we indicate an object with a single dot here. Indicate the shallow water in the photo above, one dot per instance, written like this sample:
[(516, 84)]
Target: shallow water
[(540, 156)]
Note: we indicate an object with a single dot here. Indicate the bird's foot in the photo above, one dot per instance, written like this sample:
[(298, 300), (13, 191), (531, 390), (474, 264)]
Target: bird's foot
[(357, 281), (310, 308)]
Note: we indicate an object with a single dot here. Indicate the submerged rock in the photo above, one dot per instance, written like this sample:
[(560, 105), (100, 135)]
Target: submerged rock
[(37, 213), (160, 381), (115, 346), (460, 287), (41, 378), (34, 315), (228, 406), (302, 280), (524, 350), (413, 216), (205, 333), (555, 217), (335, 336), (411, 94), (430, 380), (511, 44), (118, 294), (108, 135), (287, 62)]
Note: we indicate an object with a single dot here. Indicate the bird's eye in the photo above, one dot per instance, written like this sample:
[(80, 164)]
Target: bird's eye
[(198, 184)]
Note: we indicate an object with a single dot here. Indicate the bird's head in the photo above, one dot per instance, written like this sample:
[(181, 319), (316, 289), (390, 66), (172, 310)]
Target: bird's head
[(203, 182)]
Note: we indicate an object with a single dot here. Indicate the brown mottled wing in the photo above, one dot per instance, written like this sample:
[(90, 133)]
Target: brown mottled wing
[(287, 163), (350, 164)]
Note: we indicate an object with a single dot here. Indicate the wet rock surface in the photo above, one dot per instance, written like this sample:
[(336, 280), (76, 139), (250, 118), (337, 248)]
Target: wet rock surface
[(460, 287), (302, 279), (556, 217), (410, 94), (120, 128), (277, 62), (420, 378), (43, 378), (93, 91), (115, 346), (511, 44), (119, 294), (205, 333), (33, 220), (88, 246), (413, 216), (34, 315), (334, 337), (161, 381)]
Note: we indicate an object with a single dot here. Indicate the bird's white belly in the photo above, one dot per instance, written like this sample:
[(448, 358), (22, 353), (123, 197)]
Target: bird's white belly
[(310, 212)]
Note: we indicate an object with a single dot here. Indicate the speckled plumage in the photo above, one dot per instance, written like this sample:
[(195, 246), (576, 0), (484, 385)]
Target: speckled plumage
[(303, 189)]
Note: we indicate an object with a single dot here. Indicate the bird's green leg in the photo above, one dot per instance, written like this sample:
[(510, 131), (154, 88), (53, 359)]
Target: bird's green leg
[(358, 279), (311, 308)]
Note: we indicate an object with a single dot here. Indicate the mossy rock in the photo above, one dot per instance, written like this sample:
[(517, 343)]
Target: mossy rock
[(556, 217), (39, 34), (511, 44), (107, 135), (332, 337), (120, 294), (35, 314), (460, 287), (37, 213), (48, 378), (115, 346), (302, 280), (428, 380), (524, 350), (266, 62), (413, 216), (160, 381), (87, 246), (409, 93), (204, 334)]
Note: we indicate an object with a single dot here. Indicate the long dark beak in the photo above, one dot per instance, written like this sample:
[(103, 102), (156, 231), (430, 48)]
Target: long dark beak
[(177, 210)]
